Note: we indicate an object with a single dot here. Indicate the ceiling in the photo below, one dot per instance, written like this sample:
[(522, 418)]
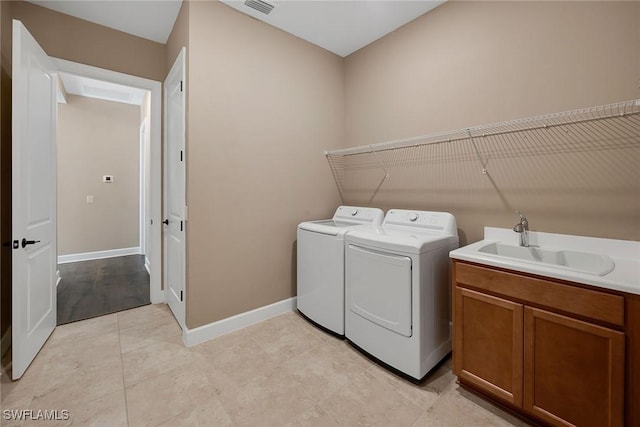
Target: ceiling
[(340, 26)]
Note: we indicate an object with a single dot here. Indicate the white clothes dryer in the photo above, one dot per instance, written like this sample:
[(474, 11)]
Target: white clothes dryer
[(397, 289), (320, 276)]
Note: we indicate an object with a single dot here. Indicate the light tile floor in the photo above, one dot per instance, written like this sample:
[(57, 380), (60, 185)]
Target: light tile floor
[(131, 369)]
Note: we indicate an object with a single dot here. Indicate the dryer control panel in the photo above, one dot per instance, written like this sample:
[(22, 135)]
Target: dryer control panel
[(436, 221)]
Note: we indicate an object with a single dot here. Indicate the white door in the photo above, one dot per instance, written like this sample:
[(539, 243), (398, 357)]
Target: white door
[(33, 199), (174, 184)]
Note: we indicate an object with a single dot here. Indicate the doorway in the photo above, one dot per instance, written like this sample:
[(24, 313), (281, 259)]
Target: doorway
[(103, 165), (145, 255)]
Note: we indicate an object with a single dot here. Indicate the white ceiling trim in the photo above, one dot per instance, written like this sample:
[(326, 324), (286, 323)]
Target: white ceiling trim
[(91, 88)]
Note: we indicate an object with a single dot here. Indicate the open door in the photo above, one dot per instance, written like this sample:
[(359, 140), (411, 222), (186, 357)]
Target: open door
[(33, 199), (174, 184)]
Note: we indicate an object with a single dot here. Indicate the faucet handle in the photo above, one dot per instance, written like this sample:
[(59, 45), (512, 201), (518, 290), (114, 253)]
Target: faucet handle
[(523, 219)]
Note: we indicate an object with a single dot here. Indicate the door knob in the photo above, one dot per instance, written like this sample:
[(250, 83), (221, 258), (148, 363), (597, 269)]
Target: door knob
[(26, 242), (165, 222)]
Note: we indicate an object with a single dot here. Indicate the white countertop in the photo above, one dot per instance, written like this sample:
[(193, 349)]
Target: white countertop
[(625, 254)]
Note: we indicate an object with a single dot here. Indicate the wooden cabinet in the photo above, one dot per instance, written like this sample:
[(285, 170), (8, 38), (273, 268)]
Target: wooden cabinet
[(552, 351)]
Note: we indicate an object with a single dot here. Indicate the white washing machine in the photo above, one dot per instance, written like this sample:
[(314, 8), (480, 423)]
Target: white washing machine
[(320, 278), (398, 291)]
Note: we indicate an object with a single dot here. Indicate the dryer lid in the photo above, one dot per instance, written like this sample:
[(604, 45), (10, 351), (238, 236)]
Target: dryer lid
[(328, 226), (344, 218)]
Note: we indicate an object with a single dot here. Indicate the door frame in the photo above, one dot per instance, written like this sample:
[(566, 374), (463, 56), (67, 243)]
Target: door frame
[(142, 217), (155, 133)]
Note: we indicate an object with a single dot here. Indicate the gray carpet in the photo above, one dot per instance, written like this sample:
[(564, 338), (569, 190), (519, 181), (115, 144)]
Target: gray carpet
[(98, 287)]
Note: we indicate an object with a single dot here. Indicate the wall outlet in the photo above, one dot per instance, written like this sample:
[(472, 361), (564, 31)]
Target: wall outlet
[(89, 199), (107, 178)]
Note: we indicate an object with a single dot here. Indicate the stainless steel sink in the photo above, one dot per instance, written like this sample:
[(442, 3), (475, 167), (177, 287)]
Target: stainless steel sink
[(583, 262)]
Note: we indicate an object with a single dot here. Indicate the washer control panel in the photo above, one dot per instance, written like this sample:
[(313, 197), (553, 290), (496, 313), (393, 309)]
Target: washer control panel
[(359, 214)]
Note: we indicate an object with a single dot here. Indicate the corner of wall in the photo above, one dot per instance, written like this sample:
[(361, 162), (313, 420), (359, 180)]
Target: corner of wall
[(179, 36)]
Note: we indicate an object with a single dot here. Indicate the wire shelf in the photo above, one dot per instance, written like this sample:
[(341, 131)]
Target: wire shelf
[(608, 127)]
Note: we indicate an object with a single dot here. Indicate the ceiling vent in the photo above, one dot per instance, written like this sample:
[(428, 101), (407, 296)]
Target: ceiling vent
[(260, 6)]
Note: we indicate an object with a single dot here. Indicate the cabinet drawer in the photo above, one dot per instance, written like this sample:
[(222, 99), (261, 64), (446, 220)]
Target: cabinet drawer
[(592, 304)]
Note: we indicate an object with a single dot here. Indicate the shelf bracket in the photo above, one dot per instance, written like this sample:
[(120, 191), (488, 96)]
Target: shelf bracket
[(483, 162), (386, 174), (336, 175)]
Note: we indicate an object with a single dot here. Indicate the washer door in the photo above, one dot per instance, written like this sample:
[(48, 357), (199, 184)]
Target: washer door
[(378, 288)]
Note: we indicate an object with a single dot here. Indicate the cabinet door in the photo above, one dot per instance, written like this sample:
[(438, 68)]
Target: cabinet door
[(487, 349), (573, 371)]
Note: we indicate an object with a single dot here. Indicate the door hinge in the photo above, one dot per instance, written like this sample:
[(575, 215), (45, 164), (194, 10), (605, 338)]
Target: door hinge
[(181, 156), (181, 89), (181, 225), (180, 296)]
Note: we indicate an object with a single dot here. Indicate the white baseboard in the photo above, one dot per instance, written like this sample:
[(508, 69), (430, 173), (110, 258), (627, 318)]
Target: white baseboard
[(5, 342), (208, 332), (86, 256), (157, 295), (58, 278), (147, 265)]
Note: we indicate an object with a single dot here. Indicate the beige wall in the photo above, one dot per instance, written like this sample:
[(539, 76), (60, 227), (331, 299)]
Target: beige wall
[(97, 138), (263, 105), (472, 63), (73, 39)]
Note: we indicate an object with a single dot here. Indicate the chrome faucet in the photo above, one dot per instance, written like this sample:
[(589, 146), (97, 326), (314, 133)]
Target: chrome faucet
[(523, 228)]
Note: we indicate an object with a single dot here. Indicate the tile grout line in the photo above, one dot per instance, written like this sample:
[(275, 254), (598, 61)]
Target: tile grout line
[(124, 387), (157, 374)]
